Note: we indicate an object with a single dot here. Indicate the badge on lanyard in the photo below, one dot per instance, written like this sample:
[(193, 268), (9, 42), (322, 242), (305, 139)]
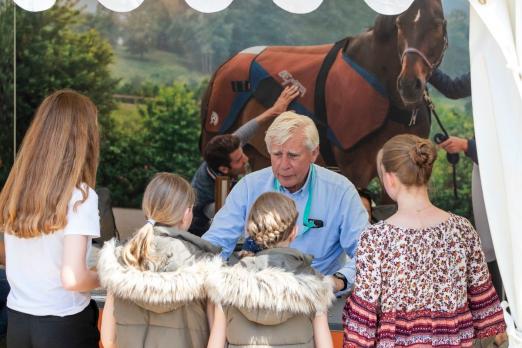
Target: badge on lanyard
[(308, 223)]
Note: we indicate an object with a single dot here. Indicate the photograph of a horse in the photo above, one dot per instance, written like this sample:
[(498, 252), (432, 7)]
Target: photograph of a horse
[(360, 91)]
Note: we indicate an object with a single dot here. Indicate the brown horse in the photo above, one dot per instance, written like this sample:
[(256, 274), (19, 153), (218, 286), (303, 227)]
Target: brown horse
[(388, 66)]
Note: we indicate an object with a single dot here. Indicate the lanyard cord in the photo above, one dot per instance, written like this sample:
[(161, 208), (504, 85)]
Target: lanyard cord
[(306, 220)]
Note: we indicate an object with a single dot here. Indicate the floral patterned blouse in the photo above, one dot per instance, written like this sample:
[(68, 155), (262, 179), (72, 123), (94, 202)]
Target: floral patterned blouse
[(421, 287)]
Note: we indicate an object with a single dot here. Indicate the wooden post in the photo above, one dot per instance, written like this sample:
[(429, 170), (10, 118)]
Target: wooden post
[(222, 188)]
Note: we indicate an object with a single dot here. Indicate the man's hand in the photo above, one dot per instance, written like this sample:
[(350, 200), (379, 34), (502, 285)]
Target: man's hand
[(338, 283), (455, 145), (286, 97), (281, 104)]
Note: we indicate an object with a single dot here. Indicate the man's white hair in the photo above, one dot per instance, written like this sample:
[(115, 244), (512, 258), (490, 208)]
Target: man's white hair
[(286, 125)]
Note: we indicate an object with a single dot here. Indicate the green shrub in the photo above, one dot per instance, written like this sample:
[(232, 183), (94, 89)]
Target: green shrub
[(166, 139)]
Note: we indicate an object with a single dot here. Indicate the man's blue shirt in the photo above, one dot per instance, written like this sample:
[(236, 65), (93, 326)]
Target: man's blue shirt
[(335, 202)]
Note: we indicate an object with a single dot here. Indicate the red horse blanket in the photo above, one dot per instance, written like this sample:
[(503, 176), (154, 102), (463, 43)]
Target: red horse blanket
[(356, 103)]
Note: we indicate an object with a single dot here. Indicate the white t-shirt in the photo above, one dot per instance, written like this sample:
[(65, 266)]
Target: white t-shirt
[(33, 265)]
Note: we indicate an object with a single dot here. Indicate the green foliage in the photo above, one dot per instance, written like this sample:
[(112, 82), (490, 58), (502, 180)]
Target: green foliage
[(166, 139), (50, 55), (457, 124)]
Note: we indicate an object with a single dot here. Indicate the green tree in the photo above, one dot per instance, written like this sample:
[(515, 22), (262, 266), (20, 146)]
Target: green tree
[(458, 124), (173, 126), (167, 140), (144, 28), (106, 22), (50, 55)]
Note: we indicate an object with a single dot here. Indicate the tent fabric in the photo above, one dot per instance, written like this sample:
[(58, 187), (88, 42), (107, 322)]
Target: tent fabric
[(205, 6), (495, 57), (389, 7)]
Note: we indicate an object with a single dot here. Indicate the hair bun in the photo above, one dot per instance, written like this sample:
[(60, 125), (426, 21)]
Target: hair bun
[(422, 154)]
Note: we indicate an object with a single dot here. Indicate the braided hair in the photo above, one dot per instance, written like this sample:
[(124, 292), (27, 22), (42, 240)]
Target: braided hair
[(271, 219)]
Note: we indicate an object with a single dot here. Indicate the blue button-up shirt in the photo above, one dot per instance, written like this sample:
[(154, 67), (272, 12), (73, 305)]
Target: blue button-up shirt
[(335, 202)]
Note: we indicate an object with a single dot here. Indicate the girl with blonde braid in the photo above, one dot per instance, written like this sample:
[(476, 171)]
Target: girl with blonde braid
[(155, 282), (273, 298)]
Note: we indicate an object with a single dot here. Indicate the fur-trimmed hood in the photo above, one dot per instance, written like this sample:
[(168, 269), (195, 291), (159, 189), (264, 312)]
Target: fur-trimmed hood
[(181, 278), (272, 286)]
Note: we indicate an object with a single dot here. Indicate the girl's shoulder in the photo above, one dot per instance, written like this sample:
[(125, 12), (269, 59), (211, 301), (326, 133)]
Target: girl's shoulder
[(378, 230), (269, 282), (173, 238), (83, 195)]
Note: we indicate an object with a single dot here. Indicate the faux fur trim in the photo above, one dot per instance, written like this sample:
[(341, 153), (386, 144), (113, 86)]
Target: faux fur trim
[(183, 285), (271, 288)]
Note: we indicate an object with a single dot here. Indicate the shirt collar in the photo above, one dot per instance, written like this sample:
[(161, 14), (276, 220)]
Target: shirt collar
[(212, 173)]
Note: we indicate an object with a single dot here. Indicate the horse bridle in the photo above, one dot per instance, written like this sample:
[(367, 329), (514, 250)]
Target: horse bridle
[(431, 66)]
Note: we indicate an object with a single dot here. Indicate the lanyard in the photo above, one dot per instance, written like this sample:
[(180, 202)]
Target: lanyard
[(307, 223)]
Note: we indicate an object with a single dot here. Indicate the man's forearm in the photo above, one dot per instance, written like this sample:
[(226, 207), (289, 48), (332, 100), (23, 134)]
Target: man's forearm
[(247, 131)]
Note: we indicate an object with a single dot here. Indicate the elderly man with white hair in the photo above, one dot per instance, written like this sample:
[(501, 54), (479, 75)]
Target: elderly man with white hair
[(331, 215)]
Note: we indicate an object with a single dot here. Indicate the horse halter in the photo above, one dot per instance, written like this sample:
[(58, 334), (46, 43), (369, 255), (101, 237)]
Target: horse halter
[(431, 66)]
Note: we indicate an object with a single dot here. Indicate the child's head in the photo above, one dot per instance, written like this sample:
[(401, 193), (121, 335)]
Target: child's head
[(167, 201), (405, 160), (272, 219), (59, 152)]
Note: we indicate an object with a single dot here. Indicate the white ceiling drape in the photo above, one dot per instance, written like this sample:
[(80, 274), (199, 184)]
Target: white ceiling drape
[(495, 57)]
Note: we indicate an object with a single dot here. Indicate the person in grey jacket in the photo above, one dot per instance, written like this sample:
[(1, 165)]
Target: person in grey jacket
[(273, 298), (156, 281)]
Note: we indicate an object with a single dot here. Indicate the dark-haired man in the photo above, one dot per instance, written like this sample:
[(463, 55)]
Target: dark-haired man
[(224, 155)]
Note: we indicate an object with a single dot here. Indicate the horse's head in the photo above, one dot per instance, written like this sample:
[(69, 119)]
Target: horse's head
[(421, 40)]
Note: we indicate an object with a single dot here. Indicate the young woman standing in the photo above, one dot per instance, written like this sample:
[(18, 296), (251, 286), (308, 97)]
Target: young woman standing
[(49, 214)]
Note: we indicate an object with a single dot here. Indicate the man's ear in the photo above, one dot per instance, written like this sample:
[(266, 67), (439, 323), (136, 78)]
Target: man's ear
[(224, 169), (315, 154)]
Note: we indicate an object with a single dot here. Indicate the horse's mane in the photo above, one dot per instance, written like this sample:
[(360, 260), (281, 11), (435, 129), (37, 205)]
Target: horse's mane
[(384, 27)]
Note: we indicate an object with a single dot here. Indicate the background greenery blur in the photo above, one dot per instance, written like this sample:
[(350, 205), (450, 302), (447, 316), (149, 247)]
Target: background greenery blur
[(146, 71)]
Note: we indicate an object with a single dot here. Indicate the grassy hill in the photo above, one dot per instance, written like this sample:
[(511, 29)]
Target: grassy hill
[(156, 67)]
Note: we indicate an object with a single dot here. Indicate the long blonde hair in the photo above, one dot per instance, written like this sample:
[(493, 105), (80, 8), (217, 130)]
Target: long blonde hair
[(59, 152), (271, 219), (165, 201)]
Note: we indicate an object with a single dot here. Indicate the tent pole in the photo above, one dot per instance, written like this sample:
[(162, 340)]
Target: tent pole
[(14, 81)]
